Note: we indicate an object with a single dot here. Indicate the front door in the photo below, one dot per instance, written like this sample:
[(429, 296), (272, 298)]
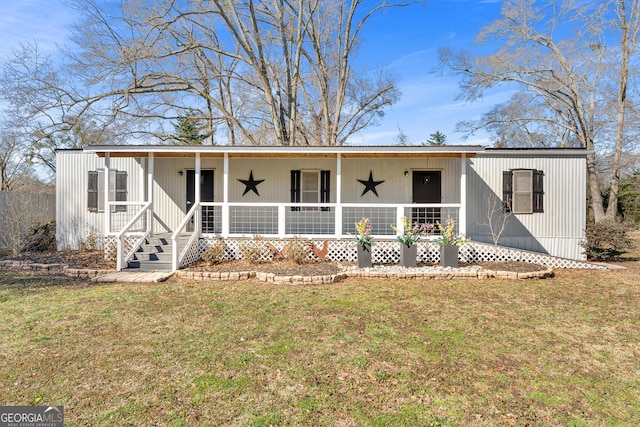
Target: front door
[(426, 189), (206, 195)]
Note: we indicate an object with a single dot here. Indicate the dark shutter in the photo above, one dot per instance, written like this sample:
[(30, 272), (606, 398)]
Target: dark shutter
[(507, 190), (121, 190), (325, 188), (538, 191), (92, 191), (295, 189)]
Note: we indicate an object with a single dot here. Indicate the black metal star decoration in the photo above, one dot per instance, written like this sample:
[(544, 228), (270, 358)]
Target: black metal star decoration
[(370, 185), (251, 184)]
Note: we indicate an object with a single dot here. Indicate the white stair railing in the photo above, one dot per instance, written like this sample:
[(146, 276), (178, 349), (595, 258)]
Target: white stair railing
[(121, 256), (177, 256)]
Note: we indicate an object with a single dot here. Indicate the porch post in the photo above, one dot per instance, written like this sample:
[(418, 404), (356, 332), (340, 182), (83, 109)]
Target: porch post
[(150, 165), (197, 195), (338, 219), (225, 196), (107, 208), (462, 218)]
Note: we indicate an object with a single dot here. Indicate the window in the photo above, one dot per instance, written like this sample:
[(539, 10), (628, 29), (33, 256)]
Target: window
[(310, 186), (117, 190), (523, 191)]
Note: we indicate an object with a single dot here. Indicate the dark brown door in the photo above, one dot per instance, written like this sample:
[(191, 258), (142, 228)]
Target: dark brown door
[(206, 195), (427, 188)]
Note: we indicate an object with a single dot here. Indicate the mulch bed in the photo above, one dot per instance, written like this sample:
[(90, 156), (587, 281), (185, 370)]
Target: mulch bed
[(95, 260), (311, 268), (279, 268), (512, 266)]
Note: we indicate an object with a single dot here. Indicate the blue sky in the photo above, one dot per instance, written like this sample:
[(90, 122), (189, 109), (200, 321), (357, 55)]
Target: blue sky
[(405, 40)]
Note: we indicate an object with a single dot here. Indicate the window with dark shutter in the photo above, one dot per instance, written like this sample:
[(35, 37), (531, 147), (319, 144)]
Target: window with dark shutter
[(507, 191), (523, 191), (538, 191), (325, 188), (310, 186), (121, 190), (96, 188), (92, 191), (295, 189)]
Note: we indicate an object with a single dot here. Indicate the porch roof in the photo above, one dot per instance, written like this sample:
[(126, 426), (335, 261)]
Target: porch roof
[(456, 151)]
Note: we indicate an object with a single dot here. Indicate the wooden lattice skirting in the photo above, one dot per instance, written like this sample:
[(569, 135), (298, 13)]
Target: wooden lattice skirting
[(384, 252)]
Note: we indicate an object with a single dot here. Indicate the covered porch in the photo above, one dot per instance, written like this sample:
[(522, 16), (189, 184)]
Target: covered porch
[(280, 193)]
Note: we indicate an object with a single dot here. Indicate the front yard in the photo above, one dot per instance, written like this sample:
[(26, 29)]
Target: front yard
[(562, 351)]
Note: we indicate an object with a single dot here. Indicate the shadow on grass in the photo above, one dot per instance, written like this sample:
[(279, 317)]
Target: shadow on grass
[(18, 281)]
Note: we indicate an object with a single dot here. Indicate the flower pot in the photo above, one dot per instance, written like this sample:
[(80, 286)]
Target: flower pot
[(408, 255), (364, 256), (449, 256)]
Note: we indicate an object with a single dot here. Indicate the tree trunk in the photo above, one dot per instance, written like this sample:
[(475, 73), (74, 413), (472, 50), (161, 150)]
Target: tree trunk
[(628, 27), (594, 189)]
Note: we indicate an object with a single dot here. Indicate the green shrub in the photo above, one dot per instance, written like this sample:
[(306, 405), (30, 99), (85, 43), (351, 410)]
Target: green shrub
[(215, 253), (605, 240)]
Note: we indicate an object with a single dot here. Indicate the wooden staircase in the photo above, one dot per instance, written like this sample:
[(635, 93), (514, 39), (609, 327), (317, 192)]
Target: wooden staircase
[(153, 255)]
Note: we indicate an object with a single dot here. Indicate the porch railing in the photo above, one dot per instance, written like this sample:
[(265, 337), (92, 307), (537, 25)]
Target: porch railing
[(307, 220), (138, 225), (318, 219)]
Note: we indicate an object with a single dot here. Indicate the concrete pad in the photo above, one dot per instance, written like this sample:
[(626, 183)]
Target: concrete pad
[(133, 277)]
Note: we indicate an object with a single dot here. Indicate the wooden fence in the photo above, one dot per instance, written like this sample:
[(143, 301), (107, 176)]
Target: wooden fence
[(18, 211)]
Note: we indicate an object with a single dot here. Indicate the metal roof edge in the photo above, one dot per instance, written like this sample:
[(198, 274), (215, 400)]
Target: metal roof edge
[(535, 152), (69, 149), (283, 149)]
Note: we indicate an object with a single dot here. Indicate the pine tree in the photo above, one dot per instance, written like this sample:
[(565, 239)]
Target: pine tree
[(189, 130), (436, 139)]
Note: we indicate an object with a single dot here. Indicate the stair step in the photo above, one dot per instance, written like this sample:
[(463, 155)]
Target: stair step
[(149, 265), (159, 241), (152, 256), (155, 248)]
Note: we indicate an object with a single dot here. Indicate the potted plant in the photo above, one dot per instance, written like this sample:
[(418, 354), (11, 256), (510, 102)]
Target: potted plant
[(364, 240), (449, 242), (408, 236)]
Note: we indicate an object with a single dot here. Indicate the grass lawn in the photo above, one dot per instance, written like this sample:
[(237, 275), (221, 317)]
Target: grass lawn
[(563, 351)]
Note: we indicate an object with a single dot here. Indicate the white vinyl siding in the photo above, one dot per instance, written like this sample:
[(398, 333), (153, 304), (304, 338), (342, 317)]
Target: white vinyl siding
[(74, 221), (558, 230)]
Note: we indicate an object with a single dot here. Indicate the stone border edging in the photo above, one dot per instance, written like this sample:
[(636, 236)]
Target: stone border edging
[(261, 276), (214, 275), (84, 273), (338, 277), (454, 274), (80, 273), (301, 280)]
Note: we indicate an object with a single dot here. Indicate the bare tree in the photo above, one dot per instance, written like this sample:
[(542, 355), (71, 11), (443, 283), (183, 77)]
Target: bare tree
[(18, 213), (497, 219), (255, 71), (627, 22), (555, 53), (38, 115), (12, 160)]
